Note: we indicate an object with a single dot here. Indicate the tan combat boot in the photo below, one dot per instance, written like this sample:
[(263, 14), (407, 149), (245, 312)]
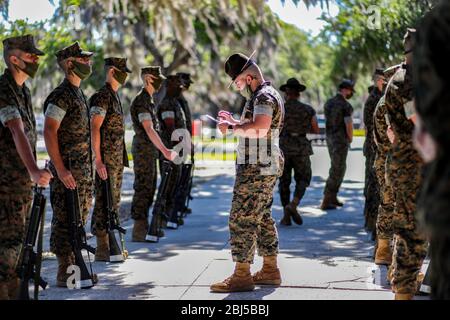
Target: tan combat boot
[(14, 288), (327, 202), (102, 250), (140, 229), (4, 291), (383, 255), (292, 209), (63, 263), (404, 296), (269, 274), (240, 280), (286, 220)]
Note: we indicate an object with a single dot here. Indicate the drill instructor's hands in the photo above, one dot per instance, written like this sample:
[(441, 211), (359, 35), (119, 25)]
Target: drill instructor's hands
[(223, 126), (227, 116)]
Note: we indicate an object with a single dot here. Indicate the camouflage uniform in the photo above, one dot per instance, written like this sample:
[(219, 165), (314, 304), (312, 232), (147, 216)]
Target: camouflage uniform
[(336, 110), (170, 107), (251, 223), (371, 188), (381, 163), (68, 105), (296, 149), (405, 171), (145, 155), (432, 103), (15, 182), (105, 102)]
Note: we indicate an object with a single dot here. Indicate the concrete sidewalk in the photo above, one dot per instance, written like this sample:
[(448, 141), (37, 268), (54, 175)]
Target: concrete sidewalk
[(328, 257)]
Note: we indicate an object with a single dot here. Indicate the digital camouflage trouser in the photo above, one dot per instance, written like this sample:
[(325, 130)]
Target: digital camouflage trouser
[(251, 223), (145, 177), (301, 165), (13, 213), (99, 216), (60, 233), (387, 201), (410, 247)]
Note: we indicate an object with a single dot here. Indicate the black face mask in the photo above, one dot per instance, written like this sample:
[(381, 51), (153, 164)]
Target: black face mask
[(157, 83), (349, 96)]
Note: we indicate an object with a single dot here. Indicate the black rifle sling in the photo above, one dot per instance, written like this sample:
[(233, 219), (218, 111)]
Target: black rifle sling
[(37, 275), (78, 236)]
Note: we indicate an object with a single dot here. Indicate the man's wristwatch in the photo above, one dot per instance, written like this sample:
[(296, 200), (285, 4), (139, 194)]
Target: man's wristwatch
[(230, 127)]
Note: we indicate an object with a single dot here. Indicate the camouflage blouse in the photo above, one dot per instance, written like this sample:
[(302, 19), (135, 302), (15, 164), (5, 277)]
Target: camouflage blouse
[(142, 108), (262, 155), (105, 102), (67, 105), (336, 110), (15, 103)]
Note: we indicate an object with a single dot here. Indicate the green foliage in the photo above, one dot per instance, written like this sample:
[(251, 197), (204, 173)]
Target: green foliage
[(308, 60), (197, 35), (359, 45)]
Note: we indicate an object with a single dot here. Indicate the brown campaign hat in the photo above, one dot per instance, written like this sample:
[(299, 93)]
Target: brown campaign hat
[(236, 64), (294, 84)]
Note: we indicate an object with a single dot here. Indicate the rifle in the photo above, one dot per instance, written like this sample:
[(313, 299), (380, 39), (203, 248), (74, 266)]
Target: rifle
[(116, 254), (425, 287), (186, 209), (30, 265), (78, 239), (181, 195), (158, 212)]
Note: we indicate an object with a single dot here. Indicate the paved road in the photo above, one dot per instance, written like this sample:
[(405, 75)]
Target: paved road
[(328, 257)]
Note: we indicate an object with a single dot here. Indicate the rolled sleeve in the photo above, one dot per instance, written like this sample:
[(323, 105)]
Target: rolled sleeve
[(144, 116), (348, 110), (168, 115), (97, 111), (9, 113), (55, 112), (263, 109), (347, 120)]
